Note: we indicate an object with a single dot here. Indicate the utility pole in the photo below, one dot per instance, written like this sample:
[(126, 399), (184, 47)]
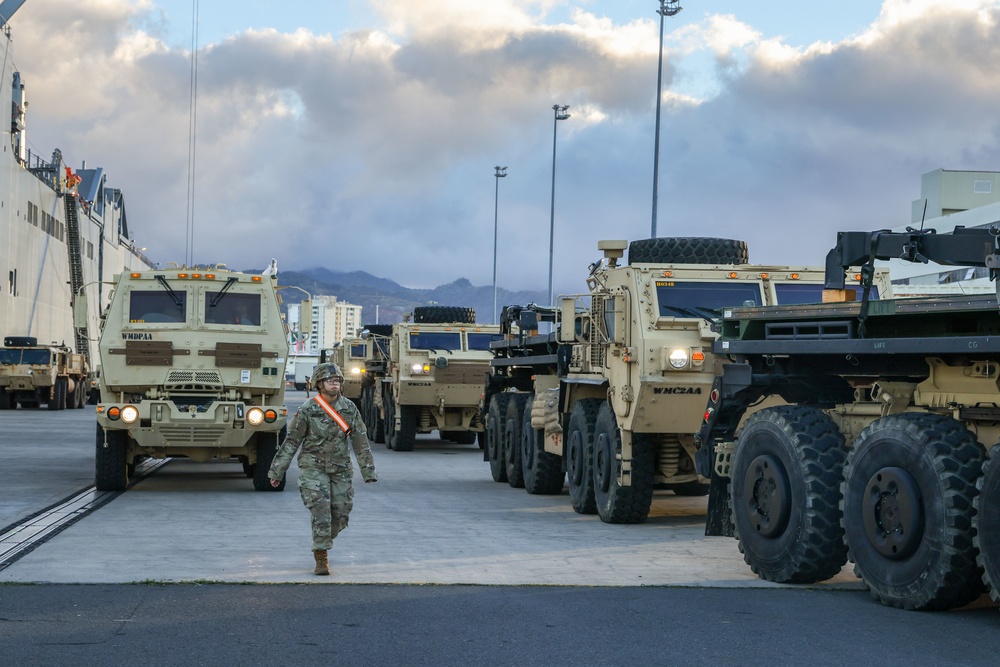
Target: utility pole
[(667, 8)]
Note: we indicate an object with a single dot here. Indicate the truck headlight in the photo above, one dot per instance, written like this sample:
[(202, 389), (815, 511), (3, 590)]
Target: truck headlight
[(421, 369), (355, 371), (255, 416), (679, 358), (130, 414)]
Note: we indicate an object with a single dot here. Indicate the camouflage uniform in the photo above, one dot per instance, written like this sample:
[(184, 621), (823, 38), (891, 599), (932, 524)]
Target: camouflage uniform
[(325, 468)]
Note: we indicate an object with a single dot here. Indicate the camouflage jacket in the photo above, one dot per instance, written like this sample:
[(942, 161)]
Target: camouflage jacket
[(323, 443)]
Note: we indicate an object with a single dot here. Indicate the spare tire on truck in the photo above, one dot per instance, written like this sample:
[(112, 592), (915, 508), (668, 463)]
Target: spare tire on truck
[(444, 315), (378, 329), (688, 250)]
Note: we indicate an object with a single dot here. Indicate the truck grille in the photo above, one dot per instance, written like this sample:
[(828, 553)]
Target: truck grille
[(198, 381), (181, 435)]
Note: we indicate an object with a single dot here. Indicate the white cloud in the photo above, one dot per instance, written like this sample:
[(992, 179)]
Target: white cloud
[(374, 149)]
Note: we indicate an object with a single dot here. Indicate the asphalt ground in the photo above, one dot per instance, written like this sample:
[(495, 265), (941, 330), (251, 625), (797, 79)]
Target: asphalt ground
[(434, 517)]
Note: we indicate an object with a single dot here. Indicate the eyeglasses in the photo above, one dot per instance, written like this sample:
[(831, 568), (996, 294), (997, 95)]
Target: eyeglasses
[(337, 380)]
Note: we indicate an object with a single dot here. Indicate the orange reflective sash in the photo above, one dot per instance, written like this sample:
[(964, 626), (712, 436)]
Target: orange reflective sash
[(334, 415)]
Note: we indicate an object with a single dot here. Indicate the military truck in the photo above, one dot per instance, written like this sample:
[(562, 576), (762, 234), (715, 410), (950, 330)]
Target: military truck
[(192, 365), (349, 355), (377, 338), (33, 374), (433, 378), (612, 396), (878, 454)]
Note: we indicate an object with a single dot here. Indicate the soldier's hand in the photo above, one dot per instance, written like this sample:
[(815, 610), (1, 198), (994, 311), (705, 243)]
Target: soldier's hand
[(275, 483)]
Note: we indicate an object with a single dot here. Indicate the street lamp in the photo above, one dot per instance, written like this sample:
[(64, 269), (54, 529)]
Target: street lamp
[(501, 172), (667, 8), (559, 113)]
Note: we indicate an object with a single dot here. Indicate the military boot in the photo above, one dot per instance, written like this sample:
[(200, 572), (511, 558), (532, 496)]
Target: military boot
[(322, 566)]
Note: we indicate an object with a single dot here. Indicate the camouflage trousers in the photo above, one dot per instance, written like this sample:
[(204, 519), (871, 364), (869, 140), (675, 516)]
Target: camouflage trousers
[(329, 499)]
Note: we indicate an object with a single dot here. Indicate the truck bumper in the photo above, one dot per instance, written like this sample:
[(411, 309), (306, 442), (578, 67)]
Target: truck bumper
[(162, 428)]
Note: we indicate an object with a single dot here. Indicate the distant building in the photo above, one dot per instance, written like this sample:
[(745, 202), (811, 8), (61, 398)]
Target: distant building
[(332, 322), (949, 199)]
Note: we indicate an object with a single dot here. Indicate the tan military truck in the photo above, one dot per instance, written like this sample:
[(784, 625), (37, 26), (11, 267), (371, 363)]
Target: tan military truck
[(33, 374), (349, 356), (192, 365), (612, 397), (377, 339), (434, 378)]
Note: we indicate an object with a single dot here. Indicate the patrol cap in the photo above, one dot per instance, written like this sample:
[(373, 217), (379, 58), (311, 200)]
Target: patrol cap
[(324, 371)]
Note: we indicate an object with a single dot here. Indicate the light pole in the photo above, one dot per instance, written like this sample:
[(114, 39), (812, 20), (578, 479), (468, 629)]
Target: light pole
[(501, 172), (559, 113), (667, 8)]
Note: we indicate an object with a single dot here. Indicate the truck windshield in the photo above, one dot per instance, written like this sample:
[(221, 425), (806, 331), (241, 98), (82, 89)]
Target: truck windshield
[(147, 307), (235, 308), (435, 340), (677, 299), (358, 351), (24, 356), (791, 293), (481, 341)]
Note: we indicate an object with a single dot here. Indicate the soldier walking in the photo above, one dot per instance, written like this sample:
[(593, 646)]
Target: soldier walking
[(322, 428)]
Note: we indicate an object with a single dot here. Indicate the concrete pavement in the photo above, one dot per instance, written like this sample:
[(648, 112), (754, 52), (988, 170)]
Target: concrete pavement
[(435, 517)]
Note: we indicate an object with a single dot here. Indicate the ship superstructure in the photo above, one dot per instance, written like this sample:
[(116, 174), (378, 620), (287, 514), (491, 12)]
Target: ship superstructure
[(63, 230)]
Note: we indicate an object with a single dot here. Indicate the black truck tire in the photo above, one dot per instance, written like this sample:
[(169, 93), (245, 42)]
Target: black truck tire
[(111, 460), (542, 471), (580, 453), (444, 315), (986, 523), (496, 428), (378, 329), (57, 401), (405, 438), (786, 474), (688, 250), (617, 503), (6, 400), (512, 440), (908, 494), (267, 447), (389, 421)]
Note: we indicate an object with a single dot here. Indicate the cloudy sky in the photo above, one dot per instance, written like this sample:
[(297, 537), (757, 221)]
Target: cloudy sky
[(363, 134)]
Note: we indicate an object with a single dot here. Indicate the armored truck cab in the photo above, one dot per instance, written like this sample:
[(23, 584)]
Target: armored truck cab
[(350, 357), (192, 365)]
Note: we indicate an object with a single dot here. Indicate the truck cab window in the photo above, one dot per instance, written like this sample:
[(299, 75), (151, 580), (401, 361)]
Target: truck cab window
[(156, 306), (232, 308)]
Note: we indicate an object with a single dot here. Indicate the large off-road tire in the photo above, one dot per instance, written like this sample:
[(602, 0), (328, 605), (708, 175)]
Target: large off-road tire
[(79, 395), (785, 486), (986, 523), (617, 503), (370, 414), (512, 440), (6, 403), (580, 454), (111, 460), (444, 315), (405, 438), (389, 421), (496, 429), (542, 471), (58, 399), (687, 250), (267, 446), (908, 503), (378, 329)]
